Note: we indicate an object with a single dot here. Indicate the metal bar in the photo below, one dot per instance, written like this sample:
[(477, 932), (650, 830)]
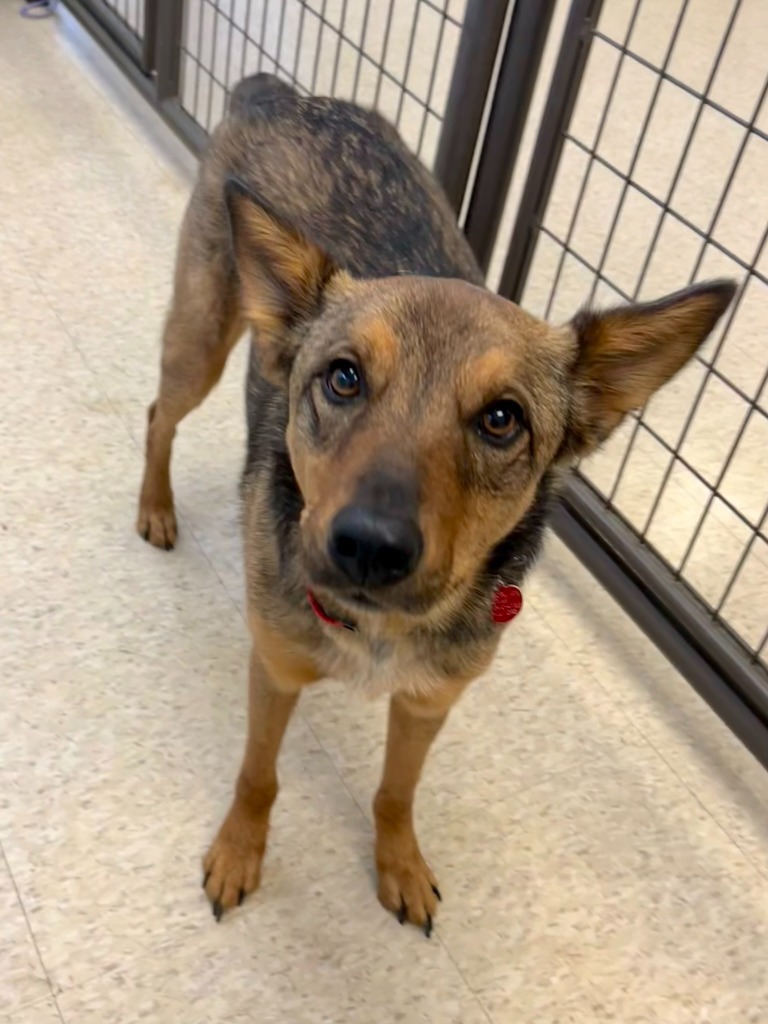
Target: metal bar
[(170, 18), (748, 548), (263, 35), (185, 126), (627, 178), (127, 60), (762, 647), (691, 134), (337, 56), (228, 61), (113, 24), (361, 50), (676, 457), (518, 72), (703, 98), (712, 661), (149, 35), (384, 52), (245, 28), (431, 86), (476, 58), (214, 5), (407, 68), (667, 210), (190, 131), (320, 30), (711, 371), (569, 70), (297, 52), (442, 11), (587, 175)]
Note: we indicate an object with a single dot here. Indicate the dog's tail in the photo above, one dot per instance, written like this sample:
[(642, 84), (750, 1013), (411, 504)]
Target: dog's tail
[(256, 89)]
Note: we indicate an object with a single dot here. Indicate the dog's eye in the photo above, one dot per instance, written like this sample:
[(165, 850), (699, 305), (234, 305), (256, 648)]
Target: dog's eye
[(500, 422), (342, 381)]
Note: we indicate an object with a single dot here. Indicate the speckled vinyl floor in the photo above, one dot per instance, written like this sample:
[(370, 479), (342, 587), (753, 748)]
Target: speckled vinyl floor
[(600, 838)]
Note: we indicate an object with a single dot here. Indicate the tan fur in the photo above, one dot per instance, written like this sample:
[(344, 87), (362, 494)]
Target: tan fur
[(625, 357), (201, 329), (233, 864), (282, 278), (434, 351)]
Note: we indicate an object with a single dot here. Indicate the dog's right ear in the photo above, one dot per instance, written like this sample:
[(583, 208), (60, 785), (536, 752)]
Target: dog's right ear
[(282, 277)]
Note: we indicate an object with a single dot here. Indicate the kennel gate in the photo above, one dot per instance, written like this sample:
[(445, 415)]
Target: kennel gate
[(675, 527)]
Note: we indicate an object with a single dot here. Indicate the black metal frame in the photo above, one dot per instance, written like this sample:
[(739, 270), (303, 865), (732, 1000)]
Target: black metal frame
[(482, 124), (694, 638), (152, 63), (102, 17), (518, 73), (669, 613), (563, 93), (470, 88)]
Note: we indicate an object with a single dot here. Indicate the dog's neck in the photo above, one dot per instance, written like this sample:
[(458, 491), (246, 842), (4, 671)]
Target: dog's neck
[(494, 598)]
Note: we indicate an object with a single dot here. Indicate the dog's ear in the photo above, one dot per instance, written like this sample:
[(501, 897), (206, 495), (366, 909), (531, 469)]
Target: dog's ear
[(625, 354), (282, 277)]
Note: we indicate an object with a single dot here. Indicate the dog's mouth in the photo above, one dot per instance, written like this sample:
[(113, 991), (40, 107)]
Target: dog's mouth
[(345, 601), (348, 604), (415, 597), (360, 599)]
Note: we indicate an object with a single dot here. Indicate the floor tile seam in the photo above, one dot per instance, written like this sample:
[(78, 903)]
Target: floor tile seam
[(30, 931)]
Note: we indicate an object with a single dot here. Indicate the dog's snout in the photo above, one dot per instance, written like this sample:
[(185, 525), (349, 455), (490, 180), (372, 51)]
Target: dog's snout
[(373, 549)]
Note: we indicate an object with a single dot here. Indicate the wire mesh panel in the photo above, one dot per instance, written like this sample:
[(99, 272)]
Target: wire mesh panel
[(395, 55), (130, 12), (661, 182)]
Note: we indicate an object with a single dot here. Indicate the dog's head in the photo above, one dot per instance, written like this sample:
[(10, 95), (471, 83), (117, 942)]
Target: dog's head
[(424, 412)]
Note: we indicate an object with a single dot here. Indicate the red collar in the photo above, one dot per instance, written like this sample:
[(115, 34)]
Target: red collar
[(507, 604), (323, 615)]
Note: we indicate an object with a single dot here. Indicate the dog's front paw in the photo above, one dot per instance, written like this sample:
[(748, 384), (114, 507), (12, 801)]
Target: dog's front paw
[(232, 866), (157, 524), (407, 886)]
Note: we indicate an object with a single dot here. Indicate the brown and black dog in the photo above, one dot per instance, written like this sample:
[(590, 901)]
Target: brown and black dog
[(406, 430)]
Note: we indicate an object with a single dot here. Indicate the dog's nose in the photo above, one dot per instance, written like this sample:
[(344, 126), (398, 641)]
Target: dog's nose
[(372, 549)]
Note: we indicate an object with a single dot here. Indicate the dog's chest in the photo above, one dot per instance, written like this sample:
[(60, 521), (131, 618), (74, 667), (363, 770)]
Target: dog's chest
[(376, 666)]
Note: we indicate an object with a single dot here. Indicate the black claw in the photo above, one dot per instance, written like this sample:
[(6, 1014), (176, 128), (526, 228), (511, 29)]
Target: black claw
[(402, 913), (205, 879), (168, 546), (218, 910), (428, 926), (145, 534), (436, 891), (240, 897)]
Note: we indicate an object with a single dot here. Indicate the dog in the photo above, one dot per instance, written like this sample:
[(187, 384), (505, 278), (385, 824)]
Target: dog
[(407, 429)]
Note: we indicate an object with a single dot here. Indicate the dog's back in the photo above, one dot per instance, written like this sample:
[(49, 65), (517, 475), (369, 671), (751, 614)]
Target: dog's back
[(341, 176)]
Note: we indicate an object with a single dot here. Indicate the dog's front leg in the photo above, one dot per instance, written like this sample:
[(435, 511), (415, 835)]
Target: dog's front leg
[(407, 886), (233, 864)]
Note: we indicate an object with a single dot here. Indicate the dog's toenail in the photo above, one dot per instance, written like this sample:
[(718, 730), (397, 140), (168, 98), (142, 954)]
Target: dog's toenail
[(240, 897), (428, 926), (218, 910), (436, 891), (402, 913), (205, 879)]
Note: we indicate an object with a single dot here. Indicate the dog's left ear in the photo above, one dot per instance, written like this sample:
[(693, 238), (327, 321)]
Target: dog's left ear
[(625, 354), (282, 277)]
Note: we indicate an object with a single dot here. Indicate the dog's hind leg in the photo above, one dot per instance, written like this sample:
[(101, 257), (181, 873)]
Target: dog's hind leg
[(201, 329)]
